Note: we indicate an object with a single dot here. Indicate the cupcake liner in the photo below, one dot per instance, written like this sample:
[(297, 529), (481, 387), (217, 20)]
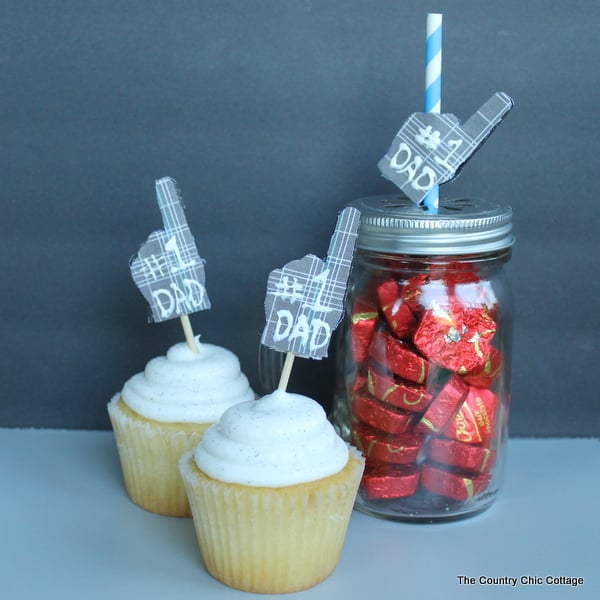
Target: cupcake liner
[(149, 453), (271, 540)]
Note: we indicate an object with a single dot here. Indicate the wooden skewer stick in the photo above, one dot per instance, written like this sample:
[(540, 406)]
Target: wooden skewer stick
[(286, 371), (189, 333)]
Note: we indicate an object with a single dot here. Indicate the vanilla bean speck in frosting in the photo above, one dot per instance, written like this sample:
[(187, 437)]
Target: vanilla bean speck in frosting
[(279, 440), (188, 387)]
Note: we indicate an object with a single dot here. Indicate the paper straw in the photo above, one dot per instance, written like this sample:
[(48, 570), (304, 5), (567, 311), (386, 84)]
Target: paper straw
[(433, 88)]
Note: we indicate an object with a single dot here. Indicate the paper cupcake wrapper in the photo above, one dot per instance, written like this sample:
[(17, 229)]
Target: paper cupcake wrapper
[(272, 540), (149, 453)]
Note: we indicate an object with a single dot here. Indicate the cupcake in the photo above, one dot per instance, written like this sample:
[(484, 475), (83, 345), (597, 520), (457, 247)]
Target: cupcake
[(272, 488), (163, 412)]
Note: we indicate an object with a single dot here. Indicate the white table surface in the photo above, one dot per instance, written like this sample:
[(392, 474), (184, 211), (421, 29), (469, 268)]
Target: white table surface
[(69, 531)]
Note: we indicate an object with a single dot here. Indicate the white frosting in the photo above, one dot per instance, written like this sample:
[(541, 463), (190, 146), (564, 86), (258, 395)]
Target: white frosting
[(281, 439), (188, 387)]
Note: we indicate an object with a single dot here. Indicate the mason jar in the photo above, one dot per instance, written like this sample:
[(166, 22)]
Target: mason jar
[(424, 357)]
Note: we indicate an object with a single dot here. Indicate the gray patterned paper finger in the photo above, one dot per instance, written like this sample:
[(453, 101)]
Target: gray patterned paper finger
[(430, 149), (304, 302), (167, 268)]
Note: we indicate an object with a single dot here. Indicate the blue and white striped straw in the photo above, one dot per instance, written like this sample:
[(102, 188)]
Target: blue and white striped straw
[(433, 88)]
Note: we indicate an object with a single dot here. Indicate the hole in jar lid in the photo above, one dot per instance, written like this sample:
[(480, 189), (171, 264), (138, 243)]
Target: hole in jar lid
[(460, 204), (396, 202)]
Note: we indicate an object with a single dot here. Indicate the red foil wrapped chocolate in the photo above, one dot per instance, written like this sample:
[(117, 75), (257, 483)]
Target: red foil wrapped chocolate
[(455, 337), (388, 389), (378, 415), (363, 323), (457, 486), (443, 407), (389, 481), (484, 375), (412, 291), (454, 273), (360, 381), (379, 447), (434, 292), (405, 362), (474, 421), (378, 347), (395, 310), (478, 294), (477, 459)]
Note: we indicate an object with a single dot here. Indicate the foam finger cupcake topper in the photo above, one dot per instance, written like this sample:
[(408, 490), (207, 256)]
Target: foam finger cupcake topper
[(167, 268), (431, 147), (304, 302)]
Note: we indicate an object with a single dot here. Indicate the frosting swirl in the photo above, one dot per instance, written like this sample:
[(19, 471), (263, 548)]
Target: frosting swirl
[(188, 387), (281, 439)]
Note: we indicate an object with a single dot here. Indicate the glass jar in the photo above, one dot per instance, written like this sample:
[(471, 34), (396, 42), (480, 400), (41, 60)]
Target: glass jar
[(424, 355)]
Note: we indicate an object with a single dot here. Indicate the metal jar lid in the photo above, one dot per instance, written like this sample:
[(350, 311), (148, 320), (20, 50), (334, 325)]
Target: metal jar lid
[(394, 224)]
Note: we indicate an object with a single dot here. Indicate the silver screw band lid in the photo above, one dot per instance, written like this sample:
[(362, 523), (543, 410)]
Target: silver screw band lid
[(394, 224)]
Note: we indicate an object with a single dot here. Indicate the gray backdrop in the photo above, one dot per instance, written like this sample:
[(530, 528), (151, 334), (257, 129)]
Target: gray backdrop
[(272, 115)]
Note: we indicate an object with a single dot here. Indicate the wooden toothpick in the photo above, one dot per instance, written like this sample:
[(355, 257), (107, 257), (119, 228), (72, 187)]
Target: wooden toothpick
[(189, 333), (286, 371)]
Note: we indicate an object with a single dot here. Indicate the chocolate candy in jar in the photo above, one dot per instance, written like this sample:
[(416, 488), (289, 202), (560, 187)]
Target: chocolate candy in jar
[(429, 305)]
